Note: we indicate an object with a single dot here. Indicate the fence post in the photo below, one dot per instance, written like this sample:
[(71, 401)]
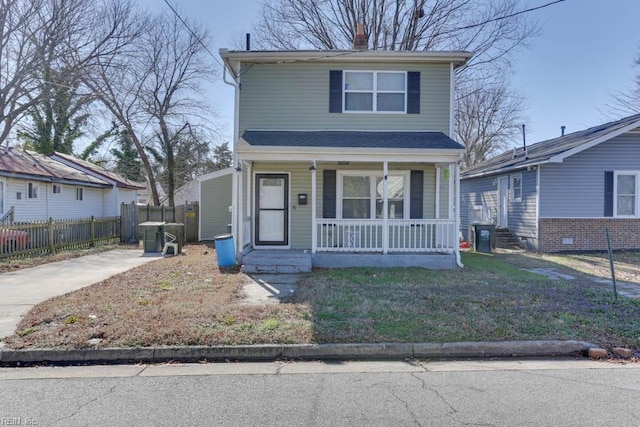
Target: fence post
[(121, 222), (93, 232), (52, 245)]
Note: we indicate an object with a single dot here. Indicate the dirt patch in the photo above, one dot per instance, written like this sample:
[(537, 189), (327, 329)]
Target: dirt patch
[(181, 300)]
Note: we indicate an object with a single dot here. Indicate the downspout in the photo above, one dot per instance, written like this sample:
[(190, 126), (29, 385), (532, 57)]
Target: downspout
[(457, 210)]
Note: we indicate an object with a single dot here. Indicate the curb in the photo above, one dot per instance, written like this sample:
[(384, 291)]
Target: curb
[(255, 353)]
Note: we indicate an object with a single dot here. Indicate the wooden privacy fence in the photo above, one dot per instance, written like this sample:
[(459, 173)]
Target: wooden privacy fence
[(47, 237), (133, 214)]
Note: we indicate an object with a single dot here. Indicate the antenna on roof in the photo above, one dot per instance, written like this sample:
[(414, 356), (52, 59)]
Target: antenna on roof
[(524, 143), (562, 128)]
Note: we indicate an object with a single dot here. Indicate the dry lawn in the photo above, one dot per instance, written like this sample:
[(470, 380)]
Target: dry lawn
[(182, 300)]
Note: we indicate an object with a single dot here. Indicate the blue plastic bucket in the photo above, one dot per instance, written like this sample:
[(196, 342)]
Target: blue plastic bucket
[(226, 250)]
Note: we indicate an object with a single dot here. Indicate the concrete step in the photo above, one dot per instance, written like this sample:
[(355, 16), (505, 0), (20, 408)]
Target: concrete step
[(272, 261)]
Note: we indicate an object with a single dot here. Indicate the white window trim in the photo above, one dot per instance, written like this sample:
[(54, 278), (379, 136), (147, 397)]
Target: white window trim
[(374, 92), (512, 187), (615, 193), (375, 174)]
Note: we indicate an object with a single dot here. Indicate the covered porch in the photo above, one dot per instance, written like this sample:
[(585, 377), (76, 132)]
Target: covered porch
[(354, 207)]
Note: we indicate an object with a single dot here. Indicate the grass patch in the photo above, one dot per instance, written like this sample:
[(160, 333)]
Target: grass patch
[(186, 300)]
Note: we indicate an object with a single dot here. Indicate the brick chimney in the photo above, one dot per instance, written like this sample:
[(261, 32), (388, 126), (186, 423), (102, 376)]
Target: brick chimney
[(360, 41)]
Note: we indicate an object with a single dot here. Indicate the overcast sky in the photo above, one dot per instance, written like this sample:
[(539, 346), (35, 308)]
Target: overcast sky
[(582, 58)]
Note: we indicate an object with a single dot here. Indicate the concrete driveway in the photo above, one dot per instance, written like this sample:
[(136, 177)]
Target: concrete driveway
[(22, 289)]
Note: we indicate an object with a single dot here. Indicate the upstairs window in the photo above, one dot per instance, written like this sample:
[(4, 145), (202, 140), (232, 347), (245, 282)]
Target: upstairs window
[(375, 91)]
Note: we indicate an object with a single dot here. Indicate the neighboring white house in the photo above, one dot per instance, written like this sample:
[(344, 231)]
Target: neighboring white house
[(38, 187), (214, 194), (188, 193), (121, 189)]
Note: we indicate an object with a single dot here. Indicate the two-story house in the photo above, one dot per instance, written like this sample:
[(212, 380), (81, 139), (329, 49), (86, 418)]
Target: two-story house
[(345, 158)]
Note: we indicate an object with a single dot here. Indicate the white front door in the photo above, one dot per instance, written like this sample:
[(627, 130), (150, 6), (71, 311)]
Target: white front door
[(503, 201), (272, 209)]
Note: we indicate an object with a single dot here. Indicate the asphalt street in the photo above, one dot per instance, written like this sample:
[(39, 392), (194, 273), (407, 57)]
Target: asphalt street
[(498, 393)]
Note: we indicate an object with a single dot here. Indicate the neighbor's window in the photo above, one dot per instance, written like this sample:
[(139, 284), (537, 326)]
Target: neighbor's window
[(626, 193), (516, 188), (362, 196), (32, 190), (79, 193), (375, 91), (57, 189)]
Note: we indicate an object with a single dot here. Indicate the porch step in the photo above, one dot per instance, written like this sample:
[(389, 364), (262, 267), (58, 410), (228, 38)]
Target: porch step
[(273, 261), (504, 238)]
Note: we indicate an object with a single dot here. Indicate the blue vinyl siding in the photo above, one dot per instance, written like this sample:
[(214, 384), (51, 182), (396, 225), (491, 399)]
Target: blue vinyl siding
[(575, 188)]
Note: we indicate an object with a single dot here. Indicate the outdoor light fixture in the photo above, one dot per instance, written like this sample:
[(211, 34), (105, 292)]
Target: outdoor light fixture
[(313, 166), (239, 168)]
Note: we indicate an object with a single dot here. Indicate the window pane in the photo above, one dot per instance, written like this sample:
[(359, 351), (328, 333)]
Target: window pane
[(391, 102), (626, 184), (626, 205), (356, 208), (355, 186), (395, 187), (359, 102), (391, 81), (358, 81), (517, 188), (396, 209)]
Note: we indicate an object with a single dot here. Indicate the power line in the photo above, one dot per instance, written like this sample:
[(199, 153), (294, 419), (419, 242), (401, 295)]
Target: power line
[(192, 33), (499, 18)]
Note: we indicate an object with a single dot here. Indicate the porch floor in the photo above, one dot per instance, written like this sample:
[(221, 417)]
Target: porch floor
[(301, 261)]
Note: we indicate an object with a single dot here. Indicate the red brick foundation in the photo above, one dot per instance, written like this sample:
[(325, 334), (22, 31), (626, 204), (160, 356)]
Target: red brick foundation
[(588, 234)]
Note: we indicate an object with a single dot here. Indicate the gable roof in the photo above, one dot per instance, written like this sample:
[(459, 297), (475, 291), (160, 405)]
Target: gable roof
[(92, 168), (232, 57), (353, 139), (552, 150), (25, 164)]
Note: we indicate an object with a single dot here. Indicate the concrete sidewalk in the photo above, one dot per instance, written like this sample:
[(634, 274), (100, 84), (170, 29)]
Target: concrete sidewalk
[(22, 289)]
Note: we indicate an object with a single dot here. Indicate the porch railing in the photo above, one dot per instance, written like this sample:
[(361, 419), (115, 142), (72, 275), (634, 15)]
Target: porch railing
[(402, 235)]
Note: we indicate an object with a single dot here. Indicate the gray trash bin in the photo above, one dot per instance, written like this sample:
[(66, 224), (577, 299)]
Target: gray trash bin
[(152, 233), (483, 237)]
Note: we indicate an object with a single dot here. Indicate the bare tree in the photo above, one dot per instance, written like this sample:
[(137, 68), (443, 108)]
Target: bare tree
[(493, 30), (487, 119), (628, 102), (153, 90)]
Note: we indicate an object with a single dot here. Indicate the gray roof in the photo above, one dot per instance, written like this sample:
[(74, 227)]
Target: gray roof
[(552, 149), (353, 139)]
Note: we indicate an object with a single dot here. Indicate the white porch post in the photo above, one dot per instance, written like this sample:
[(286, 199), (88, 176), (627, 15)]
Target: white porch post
[(456, 241), (314, 227), (451, 184), (438, 171), (385, 207)]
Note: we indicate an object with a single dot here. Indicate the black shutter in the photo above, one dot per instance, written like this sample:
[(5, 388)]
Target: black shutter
[(416, 189), (608, 193), (335, 91), (413, 92), (328, 193)]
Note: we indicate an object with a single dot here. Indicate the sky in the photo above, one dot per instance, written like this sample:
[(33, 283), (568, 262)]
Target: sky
[(568, 76)]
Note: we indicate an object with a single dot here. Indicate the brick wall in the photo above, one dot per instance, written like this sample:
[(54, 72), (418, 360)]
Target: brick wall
[(588, 234)]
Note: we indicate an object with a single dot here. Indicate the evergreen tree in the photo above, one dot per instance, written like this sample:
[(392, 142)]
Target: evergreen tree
[(128, 162)]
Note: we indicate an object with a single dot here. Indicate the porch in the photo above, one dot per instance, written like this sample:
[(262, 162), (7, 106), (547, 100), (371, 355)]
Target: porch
[(301, 261)]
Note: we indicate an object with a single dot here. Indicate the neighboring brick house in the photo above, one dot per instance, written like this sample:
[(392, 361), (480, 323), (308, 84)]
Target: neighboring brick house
[(561, 194), (346, 157)]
